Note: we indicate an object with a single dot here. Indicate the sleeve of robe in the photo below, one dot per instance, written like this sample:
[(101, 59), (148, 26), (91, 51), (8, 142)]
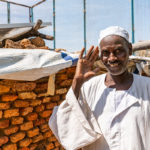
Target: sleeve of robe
[(73, 123)]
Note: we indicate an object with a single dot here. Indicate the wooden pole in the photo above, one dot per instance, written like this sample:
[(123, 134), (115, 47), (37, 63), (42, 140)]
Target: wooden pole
[(84, 14)]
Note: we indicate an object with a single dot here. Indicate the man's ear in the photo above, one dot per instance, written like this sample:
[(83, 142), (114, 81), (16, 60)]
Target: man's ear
[(130, 49)]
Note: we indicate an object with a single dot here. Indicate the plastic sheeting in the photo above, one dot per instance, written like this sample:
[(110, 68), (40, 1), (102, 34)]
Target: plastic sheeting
[(31, 64)]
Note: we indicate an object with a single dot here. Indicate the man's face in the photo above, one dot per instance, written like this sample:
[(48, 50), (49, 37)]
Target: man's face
[(115, 52)]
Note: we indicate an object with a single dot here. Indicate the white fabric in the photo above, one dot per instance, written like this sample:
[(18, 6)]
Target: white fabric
[(119, 95), (31, 64), (113, 30), (126, 128)]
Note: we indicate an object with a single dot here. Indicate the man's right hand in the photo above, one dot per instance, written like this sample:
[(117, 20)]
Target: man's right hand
[(84, 69)]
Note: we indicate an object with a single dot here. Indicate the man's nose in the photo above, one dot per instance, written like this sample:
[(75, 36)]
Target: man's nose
[(112, 57)]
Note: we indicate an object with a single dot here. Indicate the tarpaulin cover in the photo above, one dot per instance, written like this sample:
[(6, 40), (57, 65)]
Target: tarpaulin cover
[(31, 64)]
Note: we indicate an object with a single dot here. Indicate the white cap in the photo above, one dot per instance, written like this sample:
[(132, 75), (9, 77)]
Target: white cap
[(113, 30)]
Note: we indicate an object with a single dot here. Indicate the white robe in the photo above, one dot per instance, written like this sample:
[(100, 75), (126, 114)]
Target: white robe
[(94, 123)]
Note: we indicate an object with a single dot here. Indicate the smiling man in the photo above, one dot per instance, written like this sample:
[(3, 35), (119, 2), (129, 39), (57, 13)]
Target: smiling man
[(109, 111)]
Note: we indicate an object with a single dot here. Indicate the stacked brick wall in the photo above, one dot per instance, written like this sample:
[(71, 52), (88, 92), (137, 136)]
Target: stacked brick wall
[(25, 110)]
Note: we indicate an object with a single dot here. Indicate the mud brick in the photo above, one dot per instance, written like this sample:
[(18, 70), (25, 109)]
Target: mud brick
[(57, 144), (63, 96), (40, 108), (47, 119), (3, 140), (71, 73), (10, 147), (37, 138), (17, 137), (1, 114), (50, 146), (35, 102), (19, 103), (71, 70), (33, 146), (26, 126), (4, 124), (57, 148), (51, 105), (11, 113), (33, 132), (56, 98), (46, 99), (66, 83), (9, 98), (42, 80), (62, 71), (52, 139), (9, 83), (48, 134), (26, 86), (25, 142), (38, 42), (11, 130), (61, 77), (25, 111), (59, 102), (24, 148), (41, 87), (17, 120), (42, 94), (39, 122), (44, 127), (46, 113), (61, 91), (32, 116), (27, 95), (4, 106), (4, 89)]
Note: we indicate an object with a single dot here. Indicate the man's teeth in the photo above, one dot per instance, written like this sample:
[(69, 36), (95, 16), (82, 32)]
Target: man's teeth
[(114, 65)]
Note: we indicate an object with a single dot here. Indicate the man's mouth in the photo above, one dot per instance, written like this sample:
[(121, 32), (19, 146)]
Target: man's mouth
[(114, 64)]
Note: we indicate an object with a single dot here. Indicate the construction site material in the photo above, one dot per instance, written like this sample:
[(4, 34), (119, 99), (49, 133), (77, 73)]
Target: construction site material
[(16, 33), (143, 45)]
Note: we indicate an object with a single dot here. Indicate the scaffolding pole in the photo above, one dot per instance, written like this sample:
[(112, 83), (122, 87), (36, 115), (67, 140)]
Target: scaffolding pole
[(31, 14), (54, 28), (132, 20), (84, 14), (8, 12)]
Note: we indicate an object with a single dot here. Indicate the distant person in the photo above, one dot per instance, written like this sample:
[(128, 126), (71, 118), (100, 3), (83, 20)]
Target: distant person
[(109, 111)]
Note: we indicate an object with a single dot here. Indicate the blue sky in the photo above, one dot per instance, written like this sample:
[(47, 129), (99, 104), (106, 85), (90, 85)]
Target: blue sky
[(69, 19)]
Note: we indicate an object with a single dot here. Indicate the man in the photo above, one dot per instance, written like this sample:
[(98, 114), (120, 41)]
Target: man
[(109, 111)]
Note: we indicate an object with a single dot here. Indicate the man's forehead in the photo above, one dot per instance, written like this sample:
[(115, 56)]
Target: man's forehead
[(113, 40)]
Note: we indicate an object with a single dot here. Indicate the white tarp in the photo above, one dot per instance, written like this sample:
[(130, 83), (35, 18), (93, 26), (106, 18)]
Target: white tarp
[(31, 64)]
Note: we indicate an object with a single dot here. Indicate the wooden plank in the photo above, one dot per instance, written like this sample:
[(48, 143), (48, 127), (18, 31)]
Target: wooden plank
[(38, 3), (22, 25), (15, 3)]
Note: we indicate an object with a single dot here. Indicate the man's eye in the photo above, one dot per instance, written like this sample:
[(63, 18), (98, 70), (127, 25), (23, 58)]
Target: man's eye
[(119, 51), (105, 53)]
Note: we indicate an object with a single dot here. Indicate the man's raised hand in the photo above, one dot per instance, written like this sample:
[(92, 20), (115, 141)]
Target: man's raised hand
[(84, 69)]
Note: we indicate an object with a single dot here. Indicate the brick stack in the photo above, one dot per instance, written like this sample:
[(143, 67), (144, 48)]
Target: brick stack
[(25, 110)]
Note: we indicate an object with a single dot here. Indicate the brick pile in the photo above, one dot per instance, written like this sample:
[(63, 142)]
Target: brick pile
[(33, 43), (25, 110)]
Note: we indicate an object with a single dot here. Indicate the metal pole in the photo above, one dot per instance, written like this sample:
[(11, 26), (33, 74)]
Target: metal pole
[(31, 14), (132, 17), (54, 33), (8, 12), (84, 12)]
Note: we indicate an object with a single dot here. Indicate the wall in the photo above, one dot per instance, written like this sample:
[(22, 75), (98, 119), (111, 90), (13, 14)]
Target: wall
[(25, 110)]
